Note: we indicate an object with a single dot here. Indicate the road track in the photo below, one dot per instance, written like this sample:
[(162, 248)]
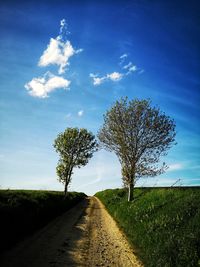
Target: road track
[(86, 235)]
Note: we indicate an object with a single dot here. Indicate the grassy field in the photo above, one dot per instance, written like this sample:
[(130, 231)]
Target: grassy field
[(162, 224), (23, 211)]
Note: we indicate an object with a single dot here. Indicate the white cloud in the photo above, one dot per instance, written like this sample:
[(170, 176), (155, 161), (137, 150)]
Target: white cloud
[(102, 171), (62, 23), (123, 56), (126, 69), (68, 115), (140, 71), (79, 51), (42, 86), (175, 167), (63, 29), (80, 113), (122, 59), (132, 68), (92, 75), (114, 76), (59, 51), (128, 65), (98, 81)]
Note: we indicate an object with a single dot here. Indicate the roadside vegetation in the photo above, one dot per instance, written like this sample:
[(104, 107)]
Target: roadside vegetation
[(23, 211), (161, 223)]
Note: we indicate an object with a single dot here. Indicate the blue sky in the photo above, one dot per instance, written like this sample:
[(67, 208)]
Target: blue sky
[(64, 63)]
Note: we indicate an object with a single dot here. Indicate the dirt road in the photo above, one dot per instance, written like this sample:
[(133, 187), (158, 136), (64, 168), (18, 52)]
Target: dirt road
[(86, 235)]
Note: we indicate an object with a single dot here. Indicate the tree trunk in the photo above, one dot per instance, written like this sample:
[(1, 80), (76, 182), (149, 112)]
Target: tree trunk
[(130, 191), (66, 191), (67, 181)]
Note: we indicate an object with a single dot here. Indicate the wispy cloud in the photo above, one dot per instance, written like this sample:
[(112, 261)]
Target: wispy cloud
[(103, 171), (175, 167), (59, 50), (80, 113), (63, 29), (97, 80), (42, 86), (127, 66), (130, 67), (68, 115), (123, 56), (125, 69), (114, 76)]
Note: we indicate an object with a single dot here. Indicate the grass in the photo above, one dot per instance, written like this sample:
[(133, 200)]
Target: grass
[(163, 224), (24, 211)]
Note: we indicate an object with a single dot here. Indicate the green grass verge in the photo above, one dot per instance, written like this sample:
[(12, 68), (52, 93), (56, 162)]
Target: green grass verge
[(163, 224), (23, 211)]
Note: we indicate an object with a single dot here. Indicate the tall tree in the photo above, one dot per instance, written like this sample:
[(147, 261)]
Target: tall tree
[(75, 147), (139, 135)]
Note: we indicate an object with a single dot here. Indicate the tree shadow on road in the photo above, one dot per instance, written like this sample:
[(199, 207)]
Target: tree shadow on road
[(73, 251)]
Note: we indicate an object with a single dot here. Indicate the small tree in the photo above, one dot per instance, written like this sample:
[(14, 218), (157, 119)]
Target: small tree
[(75, 147), (139, 135)]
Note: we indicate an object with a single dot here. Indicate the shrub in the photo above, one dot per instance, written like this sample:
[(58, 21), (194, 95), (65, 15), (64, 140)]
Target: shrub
[(23, 211)]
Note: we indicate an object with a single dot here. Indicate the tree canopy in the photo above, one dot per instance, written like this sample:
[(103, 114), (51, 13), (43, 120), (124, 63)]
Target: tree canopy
[(75, 147), (139, 134)]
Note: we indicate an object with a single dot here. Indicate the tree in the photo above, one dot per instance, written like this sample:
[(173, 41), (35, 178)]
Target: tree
[(75, 147), (139, 135)]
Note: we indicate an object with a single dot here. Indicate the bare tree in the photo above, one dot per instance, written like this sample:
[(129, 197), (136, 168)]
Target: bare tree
[(139, 135), (75, 147)]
